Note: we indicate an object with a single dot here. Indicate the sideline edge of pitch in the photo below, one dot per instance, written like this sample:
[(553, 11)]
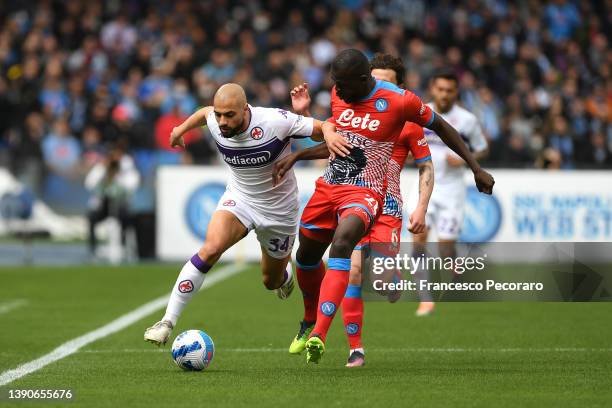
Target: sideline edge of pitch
[(120, 323)]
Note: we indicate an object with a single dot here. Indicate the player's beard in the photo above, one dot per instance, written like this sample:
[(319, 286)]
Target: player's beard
[(229, 132), (445, 105)]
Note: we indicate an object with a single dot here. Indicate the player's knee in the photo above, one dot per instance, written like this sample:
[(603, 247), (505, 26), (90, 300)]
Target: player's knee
[(342, 247), (210, 252), (303, 257)]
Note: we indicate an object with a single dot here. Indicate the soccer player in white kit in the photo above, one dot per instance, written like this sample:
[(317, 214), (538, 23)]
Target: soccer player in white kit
[(447, 203), (250, 140)]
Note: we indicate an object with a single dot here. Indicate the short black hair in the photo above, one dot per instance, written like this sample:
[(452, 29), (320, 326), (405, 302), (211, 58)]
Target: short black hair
[(352, 62), (445, 74), (388, 61)]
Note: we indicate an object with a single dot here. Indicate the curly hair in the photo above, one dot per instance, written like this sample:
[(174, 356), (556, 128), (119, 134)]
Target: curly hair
[(388, 61)]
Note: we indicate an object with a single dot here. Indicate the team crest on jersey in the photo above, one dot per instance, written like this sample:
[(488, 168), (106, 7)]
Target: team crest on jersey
[(229, 203), (422, 142), (381, 104), (257, 133)]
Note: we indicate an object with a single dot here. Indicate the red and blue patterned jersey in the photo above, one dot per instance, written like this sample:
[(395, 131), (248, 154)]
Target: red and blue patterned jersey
[(411, 140), (372, 126)]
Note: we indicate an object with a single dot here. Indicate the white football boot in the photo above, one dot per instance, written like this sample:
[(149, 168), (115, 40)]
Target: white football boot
[(285, 290), (425, 309), (159, 333)]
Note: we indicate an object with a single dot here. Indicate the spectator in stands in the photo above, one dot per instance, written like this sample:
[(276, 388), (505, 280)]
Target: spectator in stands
[(93, 147), (111, 183), (517, 154), (26, 157), (561, 140), (121, 67), (61, 150), (126, 130), (166, 123), (549, 159), (562, 17)]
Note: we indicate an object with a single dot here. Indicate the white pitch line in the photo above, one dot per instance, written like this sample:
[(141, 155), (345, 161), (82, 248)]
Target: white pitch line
[(12, 305), (72, 346), (385, 350)]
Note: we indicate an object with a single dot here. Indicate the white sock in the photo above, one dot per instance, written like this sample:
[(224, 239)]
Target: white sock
[(187, 284), (360, 349)]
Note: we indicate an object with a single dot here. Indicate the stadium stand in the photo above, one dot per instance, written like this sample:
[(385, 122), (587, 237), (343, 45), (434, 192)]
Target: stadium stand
[(76, 76)]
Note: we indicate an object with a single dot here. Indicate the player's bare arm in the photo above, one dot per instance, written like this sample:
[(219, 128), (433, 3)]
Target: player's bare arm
[(336, 144), (282, 166), (426, 183), (197, 119), (448, 134), (317, 131), (455, 161)]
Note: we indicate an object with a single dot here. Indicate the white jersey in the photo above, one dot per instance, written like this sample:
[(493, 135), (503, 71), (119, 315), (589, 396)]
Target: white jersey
[(251, 154), (470, 131)]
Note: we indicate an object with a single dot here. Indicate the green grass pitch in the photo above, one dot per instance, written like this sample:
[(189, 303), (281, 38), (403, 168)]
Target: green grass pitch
[(467, 354)]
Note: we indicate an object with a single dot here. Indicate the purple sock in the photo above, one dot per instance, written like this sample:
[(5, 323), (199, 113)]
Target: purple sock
[(200, 264)]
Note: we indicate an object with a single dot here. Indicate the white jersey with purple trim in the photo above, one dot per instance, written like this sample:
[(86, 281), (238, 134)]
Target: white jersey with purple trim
[(470, 131), (447, 203), (251, 154)]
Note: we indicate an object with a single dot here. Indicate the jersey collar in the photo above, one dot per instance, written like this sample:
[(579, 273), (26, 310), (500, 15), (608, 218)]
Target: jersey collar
[(372, 92)]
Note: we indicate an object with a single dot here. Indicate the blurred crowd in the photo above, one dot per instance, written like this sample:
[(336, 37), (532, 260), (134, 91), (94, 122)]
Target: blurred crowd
[(79, 76)]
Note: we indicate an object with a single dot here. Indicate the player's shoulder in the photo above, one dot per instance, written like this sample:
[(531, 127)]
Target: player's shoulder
[(270, 115), (389, 89), (465, 114), (209, 111), (262, 111)]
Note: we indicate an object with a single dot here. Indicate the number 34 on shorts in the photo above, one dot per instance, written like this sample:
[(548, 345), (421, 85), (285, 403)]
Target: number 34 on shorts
[(276, 245), (279, 244)]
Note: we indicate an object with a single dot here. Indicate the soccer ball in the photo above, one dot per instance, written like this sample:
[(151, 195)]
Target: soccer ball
[(193, 350)]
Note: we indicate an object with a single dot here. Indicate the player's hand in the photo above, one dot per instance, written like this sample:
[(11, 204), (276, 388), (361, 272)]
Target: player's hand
[(336, 144), (176, 138), (281, 167), (484, 181), (300, 99), (454, 161), (416, 222)]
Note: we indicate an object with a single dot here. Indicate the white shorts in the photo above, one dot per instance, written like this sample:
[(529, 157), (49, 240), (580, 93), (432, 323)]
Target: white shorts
[(445, 212), (277, 237)]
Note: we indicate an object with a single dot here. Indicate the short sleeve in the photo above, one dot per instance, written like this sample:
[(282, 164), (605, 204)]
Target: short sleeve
[(294, 126), (416, 142), (416, 111)]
